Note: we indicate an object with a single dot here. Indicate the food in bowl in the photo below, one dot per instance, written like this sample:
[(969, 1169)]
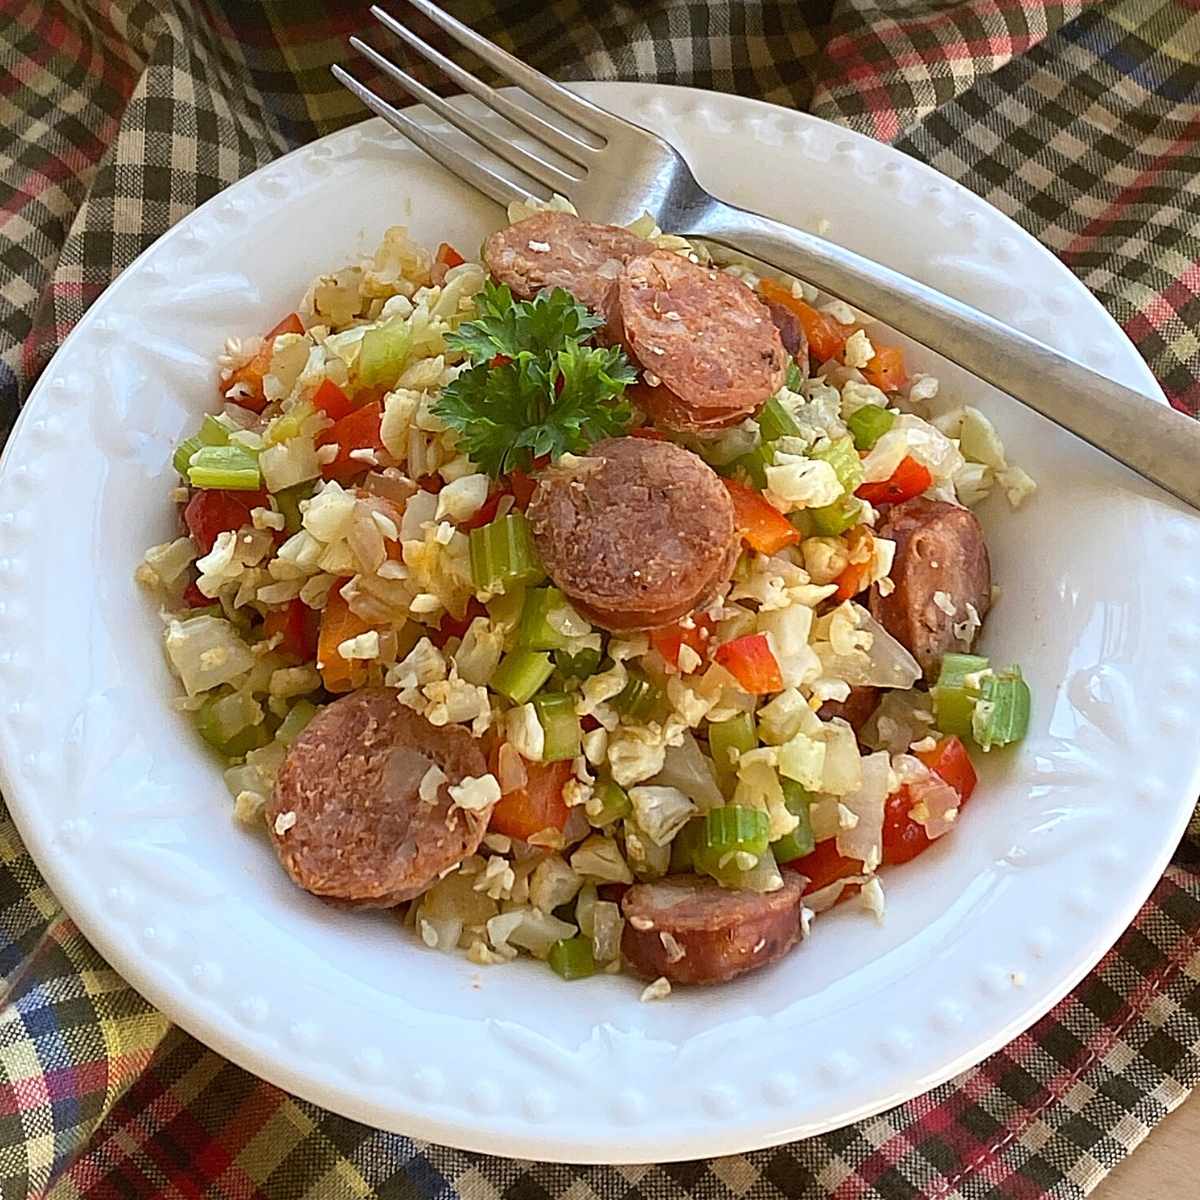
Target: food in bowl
[(594, 602)]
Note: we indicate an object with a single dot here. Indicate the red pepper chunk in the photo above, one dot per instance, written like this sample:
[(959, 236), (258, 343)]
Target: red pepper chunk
[(537, 806), (448, 256), (332, 401), (357, 430), (909, 479), (826, 337), (298, 625), (886, 369), (825, 866), (903, 837), (669, 641), (950, 761), (456, 627), (762, 526), (213, 511), (750, 661), (290, 324)]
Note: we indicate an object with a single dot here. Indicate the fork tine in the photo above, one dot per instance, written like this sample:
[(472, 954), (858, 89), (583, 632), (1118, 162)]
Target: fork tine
[(542, 87), (489, 139), (559, 140), (494, 186)]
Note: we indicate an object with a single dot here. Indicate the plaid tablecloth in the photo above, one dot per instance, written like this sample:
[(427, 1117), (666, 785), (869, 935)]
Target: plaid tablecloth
[(1080, 119)]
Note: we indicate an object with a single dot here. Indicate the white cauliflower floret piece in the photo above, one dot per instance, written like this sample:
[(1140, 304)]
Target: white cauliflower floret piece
[(796, 482)]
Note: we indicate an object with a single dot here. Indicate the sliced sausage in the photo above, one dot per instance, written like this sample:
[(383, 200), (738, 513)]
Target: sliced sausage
[(704, 335), (362, 833), (691, 930), (791, 332), (637, 534), (855, 710), (557, 249), (941, 567)]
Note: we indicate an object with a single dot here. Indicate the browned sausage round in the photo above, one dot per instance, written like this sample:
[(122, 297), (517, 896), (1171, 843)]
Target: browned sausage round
[(721, 933), (704, 335), (941, 564), (636, 534), (556, 249), (361, 832), (855, 710)]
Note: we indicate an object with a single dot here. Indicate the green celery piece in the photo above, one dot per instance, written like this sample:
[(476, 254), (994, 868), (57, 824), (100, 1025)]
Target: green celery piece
[(755, 463), (183, 454), (287, 501), (293, 724), (683, 847), (640, 700), (614, 804), (503, 554), (729, 830), (834, 519), (953, 700), (1002, 712), (758, 879), (799, 842), (212, 432), (536, 633), (560, 725), (841, 455), (775, 421), (868, 424), (521, 674), (572, 958), (382, 352), (795, 378), (232, 467), (724, 737), (226, 722), (579, 665)]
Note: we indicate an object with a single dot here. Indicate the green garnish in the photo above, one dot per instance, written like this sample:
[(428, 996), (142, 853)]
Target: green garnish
[(552, 396)]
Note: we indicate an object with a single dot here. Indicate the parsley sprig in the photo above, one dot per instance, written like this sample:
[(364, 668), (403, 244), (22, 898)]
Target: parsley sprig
[(548, 395)]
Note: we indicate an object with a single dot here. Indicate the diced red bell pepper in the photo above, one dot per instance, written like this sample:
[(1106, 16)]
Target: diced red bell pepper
[(332, 401), (339, 624), (909, 479), (486, 513), (762, 526), (826, 337), (290, 324), (193, 597), (825, 865), (357, 430), (252, 373), (750, 661), (537, 806), (298, 625), (448, 256), (886, 369), (213, 511), (456, 627), (430, 483), (903, 837), (669, 641), (522, 486)]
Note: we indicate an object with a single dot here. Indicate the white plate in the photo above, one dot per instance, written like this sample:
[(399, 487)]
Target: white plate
[(130, 821)]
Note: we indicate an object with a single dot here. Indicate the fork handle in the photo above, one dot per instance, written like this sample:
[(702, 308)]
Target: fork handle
[(1150, 438)]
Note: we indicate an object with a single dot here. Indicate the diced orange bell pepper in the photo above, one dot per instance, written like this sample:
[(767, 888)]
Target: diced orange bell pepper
[(448, 256), (909, 479), (854, 578), (670, 640), (338, 624), (762, 526), (750, 661), (357, 430), (826, 337), (886, 369), (290, 324), (252, 373), (537, 806)]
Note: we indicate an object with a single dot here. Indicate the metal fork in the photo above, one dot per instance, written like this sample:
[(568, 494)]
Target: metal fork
[(613, 170)]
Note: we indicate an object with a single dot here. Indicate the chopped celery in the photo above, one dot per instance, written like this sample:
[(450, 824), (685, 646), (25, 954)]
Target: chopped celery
[(579, 665), (728, 741), (382, 352), (290, 424), (683, 846), (287, 501), (730, 831), (755, 463), (231, 467), (795, 377), (505, 609), (841, 455), (536, 632), (231, 723), (521, 674), (572, 958), (640, 700), (799, 842), (503, 554), (183, 454), (802, 521), (868, 424), (560, 725), (762, 877), (774, 421), (953, 697), (835, 518), (293, 724), (614, 803), (212, 432), (1002, 711)]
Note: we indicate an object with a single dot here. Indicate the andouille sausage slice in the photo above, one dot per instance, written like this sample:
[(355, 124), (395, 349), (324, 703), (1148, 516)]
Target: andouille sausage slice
[(691, 930), (361, 831), (855, 710), (557, 249), (941, 567), (636, 534), (702, 334)]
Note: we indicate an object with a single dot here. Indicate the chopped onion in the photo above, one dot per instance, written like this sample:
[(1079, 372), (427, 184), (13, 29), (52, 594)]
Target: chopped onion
[(886, 664), (902, 718), (687, 768), (864, 840)]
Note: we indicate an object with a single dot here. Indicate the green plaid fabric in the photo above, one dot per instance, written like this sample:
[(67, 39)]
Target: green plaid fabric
[(117, 117)]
